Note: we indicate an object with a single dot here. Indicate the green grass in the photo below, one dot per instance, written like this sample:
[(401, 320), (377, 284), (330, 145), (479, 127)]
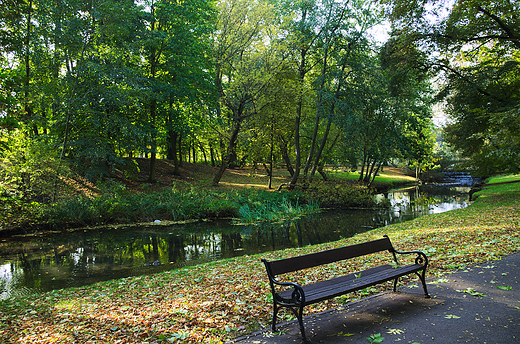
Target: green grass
[(386, 177), (246, 205), (504, 178)]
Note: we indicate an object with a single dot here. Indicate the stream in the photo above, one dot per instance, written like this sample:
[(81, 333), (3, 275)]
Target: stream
[(36, 264)]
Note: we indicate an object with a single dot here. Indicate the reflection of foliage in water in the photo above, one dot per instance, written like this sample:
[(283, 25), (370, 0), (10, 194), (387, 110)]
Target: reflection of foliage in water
[(424, 199)]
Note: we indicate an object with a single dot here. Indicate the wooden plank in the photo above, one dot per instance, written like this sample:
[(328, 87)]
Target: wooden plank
[(311, 260)]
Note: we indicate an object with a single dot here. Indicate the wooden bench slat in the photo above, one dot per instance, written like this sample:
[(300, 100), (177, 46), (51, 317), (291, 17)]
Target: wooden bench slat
[(282, 266), (318, 295)]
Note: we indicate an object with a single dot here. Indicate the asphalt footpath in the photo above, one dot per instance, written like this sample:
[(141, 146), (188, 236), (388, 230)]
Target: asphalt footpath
[(480, 304)]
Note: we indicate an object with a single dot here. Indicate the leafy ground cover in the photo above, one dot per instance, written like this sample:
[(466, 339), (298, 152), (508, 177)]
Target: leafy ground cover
[(221, 300)]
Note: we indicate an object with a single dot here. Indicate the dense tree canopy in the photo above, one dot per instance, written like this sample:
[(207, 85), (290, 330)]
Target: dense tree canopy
[(477, 52), (228, 82)]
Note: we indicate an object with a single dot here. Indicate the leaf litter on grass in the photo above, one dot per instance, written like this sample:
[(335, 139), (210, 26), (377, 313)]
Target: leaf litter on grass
[(229, 297)]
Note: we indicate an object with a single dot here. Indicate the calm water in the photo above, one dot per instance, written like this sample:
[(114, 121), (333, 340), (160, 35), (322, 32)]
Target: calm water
[(38, 264)]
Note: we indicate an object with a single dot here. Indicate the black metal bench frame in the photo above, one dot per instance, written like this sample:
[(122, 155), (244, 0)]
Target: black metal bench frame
[(296, 297)]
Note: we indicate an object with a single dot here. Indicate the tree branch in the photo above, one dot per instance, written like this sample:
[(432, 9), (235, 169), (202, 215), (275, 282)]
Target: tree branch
[(503, 26)]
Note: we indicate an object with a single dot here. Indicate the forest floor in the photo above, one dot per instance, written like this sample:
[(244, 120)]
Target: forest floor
[(193, 175), (135, 176)]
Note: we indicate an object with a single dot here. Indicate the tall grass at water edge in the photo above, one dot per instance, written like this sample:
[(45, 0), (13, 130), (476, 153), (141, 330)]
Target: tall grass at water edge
[(120, 206)]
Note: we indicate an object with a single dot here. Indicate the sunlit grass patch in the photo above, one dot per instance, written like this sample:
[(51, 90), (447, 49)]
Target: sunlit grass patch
[(504, 178)]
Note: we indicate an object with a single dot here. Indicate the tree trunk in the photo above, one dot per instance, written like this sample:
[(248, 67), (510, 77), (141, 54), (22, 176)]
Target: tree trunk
[(179, 149), (153, 154), (318, 116), (229, 155), (318, 156), (375, 174), (363, 166), (173, 146), (369, 173), (153, 104), (194, 151), (285, 156), (212, 155), (201, 146)]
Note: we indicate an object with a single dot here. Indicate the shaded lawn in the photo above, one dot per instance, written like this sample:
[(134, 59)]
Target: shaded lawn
[(389, 175), (221, 300)]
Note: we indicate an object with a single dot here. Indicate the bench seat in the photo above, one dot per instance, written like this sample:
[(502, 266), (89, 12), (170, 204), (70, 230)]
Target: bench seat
[(325, 290)]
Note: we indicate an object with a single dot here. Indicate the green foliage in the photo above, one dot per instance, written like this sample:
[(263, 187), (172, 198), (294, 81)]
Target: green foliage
[(340, 194), (475, 49), (116, 204), (30, 168), (281, 210), (376, 338)]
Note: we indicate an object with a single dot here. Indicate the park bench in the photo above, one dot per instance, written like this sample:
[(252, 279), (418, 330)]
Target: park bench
[(295, 297)]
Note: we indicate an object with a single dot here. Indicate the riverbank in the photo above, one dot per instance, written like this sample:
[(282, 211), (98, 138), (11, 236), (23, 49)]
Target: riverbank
[(226, 299), (243, 194)]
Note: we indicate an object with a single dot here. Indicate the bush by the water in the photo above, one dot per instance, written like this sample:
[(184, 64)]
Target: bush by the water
[(117, 205), (121, 206), (341, 194)]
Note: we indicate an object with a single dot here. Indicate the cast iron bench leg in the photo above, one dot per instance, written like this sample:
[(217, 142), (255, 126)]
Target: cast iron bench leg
[(423, 281)]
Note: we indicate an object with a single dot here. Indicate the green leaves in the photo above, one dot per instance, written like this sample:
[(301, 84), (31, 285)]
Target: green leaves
[(451, 316), (376, 338), (506, 287), (471, 292)]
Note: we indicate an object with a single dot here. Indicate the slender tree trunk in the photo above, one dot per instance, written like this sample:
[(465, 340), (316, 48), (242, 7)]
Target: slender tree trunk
[(318, 116), (329, 124), (201, 146), (27, 106), (153, 154), (194, 150), (179, 149), (363, 165), (212, 155), (173, 145), (153, 106), (320, 152), (375, 174), (369, 173), (271, 158), (229, 154), (297, 121), (285, 156)]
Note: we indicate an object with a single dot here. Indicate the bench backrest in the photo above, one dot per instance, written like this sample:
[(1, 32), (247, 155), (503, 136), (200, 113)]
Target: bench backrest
[(282, 266)]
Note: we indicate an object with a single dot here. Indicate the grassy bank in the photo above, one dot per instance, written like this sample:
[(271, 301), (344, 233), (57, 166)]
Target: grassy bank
[(243, 195), (225, 299)]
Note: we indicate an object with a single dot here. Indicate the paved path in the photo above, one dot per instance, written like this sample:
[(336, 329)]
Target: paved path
[(466, 307)]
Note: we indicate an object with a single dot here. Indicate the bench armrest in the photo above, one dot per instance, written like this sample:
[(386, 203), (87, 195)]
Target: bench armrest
[(297, 296), (420, 259)]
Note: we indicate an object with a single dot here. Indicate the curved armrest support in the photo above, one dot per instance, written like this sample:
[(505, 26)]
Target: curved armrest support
[(297, 296), (420, 259)]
